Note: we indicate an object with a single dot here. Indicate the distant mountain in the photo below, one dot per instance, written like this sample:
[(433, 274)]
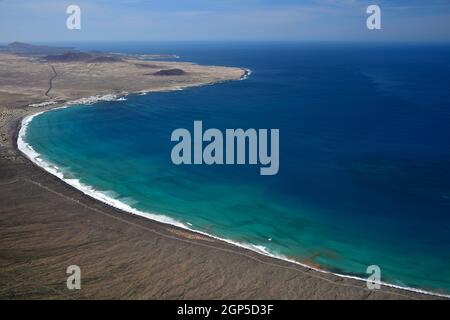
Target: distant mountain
[(31, 49), (59, 54)]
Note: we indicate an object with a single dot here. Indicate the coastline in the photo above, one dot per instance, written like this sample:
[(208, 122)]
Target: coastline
[(27, 207), (27, 151)]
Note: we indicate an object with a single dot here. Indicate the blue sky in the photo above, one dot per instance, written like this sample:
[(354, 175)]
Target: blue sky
[(115, 20)]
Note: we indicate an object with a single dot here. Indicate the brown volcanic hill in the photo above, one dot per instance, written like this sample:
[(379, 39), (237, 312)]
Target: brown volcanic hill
[(170, 72), (69, 57), (73, 56), (106, 59)]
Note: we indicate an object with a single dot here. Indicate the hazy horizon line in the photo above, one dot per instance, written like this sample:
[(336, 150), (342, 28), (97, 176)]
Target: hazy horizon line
[(2, 42)]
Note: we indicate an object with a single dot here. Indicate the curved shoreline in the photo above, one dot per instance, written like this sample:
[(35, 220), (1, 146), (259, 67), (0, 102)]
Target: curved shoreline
[(34, 157)]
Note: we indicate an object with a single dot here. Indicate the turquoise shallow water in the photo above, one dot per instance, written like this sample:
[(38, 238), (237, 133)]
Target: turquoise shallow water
[(364, 154)]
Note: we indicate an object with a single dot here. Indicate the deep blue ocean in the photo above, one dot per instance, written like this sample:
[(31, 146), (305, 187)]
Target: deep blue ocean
[(364, 173)]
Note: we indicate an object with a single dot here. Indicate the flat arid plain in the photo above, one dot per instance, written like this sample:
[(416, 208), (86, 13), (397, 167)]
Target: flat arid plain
[(46, 225)]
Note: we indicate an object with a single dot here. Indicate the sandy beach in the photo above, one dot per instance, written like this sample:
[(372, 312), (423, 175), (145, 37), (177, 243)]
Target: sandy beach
[(47, 225)]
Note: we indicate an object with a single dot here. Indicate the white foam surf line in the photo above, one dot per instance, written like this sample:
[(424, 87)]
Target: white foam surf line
[(247, 73), (43, 104), (180, 88), (35, 157)]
